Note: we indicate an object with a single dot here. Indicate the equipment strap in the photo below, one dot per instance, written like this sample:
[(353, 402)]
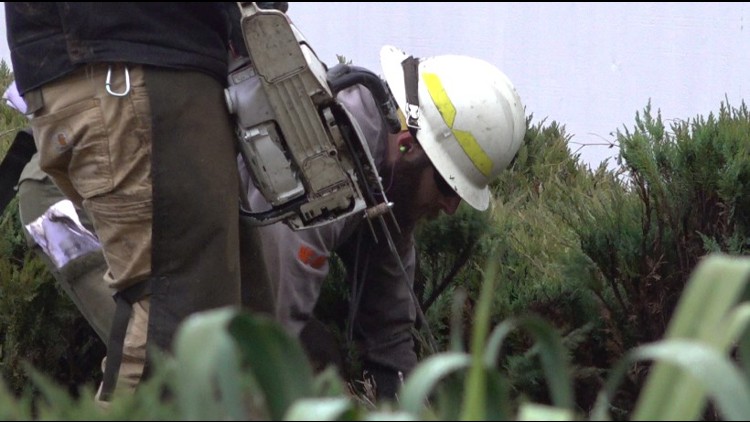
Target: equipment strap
[(124, 300)]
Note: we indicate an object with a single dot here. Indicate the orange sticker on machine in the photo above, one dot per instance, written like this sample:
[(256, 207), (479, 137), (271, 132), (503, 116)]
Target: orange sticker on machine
[(309, 257)]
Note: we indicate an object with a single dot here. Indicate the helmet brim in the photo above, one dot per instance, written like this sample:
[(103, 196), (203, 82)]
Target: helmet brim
[(390, 62)]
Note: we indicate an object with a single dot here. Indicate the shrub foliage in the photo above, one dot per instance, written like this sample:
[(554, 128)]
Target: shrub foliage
[(602, 255)]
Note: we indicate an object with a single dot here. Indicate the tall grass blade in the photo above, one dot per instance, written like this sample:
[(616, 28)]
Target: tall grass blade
[(208, 380), (702, 365), (417, 388), (714, 289)]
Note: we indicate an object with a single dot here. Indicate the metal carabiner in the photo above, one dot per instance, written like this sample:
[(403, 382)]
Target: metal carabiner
[(108, 86)]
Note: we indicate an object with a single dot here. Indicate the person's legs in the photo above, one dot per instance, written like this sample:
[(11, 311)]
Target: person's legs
[(258, 289), (96, 147), (81, 278), (196, 247), (181, 191)]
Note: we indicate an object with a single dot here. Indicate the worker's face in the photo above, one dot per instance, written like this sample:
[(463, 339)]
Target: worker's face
[(446, 198), (418, 191)]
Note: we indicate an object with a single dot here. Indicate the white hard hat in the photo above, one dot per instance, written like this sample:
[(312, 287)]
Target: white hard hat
[(467, 115)]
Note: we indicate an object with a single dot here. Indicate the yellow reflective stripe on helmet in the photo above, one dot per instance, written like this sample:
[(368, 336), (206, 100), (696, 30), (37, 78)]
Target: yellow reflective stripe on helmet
[(440, 98), (468, 143), (475, 152)]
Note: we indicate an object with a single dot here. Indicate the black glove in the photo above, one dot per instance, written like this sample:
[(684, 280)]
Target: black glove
[(387, 381)]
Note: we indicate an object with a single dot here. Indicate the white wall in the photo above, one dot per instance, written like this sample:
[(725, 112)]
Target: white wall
[(589, 66)]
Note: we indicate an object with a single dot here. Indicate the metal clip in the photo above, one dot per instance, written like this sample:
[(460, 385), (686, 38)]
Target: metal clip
[(108, 85)]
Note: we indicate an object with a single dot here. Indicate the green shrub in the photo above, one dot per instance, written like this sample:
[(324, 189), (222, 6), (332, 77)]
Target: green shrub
[(601, 255), (214, 373)]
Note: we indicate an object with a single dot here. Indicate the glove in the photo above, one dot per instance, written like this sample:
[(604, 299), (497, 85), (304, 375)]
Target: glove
[(387, 381)]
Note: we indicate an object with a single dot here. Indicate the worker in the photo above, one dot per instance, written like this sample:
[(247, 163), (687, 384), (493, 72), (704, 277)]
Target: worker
[(463, 123)]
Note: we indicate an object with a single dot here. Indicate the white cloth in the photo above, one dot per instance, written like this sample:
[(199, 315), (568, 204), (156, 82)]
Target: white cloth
[(61, 235), (14, 99)]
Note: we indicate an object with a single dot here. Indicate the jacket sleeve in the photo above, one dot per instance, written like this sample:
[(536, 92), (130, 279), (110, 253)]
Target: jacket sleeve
[(296, 262), (386, 312)]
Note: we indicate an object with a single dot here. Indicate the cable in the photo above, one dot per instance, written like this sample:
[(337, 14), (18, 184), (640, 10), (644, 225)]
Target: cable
[(370, 197)]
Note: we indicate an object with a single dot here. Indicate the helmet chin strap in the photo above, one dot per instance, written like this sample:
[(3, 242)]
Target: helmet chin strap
[(410, 66)]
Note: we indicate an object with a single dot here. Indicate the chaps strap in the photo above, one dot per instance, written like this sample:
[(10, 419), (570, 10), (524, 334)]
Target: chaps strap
[(124, 308)]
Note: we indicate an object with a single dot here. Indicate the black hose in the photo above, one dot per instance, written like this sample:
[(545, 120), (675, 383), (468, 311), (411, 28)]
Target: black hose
[(343, 76)]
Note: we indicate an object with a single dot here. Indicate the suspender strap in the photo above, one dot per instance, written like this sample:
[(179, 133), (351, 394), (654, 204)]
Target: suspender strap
[(124, 308)]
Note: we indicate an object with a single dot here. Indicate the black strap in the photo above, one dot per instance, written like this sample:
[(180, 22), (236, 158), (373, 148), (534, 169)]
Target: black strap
[(124, 300), (410, 66), (18, 155)]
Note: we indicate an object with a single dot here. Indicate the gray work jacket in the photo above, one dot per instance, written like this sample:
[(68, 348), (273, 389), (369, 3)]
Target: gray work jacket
[(299, 262)]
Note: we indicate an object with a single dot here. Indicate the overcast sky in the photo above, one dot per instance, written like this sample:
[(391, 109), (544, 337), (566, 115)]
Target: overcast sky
[(588, 66)]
